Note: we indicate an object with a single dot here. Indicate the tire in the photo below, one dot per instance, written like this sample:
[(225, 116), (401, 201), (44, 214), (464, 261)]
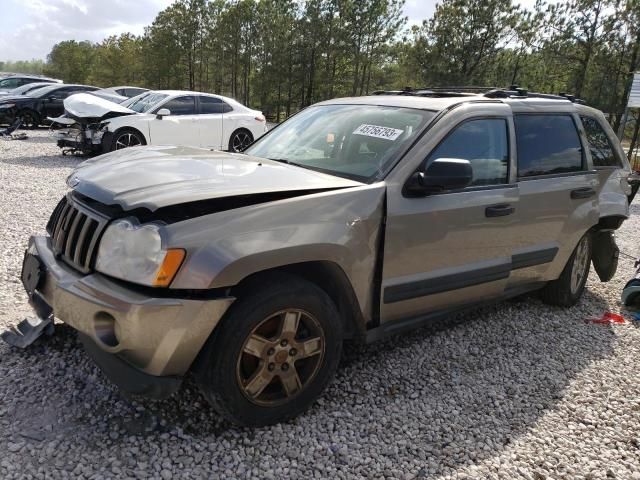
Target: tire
[(568, 288), (241, 369), (240, 140), (125, 138), (30, 119)]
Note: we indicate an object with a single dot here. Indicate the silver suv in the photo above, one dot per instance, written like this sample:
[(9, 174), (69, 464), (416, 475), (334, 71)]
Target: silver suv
[(357, 218)]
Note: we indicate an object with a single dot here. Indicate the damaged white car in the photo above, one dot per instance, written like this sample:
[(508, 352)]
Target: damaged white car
[(161, 117)]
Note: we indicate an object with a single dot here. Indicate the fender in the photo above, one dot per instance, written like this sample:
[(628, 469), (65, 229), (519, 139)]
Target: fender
[(226, 247)]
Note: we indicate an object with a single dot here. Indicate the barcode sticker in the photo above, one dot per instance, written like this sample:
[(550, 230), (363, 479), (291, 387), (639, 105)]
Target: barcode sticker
[(386, 133)]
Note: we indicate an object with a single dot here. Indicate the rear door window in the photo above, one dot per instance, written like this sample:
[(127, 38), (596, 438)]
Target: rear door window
[(602, 151), (181, 105), (547, 145), (484, 142), (210, 105)]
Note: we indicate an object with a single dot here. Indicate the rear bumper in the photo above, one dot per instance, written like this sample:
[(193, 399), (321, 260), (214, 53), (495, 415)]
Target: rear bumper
[(130, 335)]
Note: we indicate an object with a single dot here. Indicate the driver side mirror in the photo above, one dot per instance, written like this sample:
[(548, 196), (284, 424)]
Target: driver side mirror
[(163, 112), (443, 174)]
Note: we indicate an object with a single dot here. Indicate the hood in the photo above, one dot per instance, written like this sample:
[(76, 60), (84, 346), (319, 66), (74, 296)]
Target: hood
[(84, 105), (157, 177)]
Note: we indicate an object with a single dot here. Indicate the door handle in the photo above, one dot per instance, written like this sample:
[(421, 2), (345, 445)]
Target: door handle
[(586, 192), (499, 211)]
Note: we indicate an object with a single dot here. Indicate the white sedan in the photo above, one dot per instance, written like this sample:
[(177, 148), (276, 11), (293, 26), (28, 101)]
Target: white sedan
[(160, 117)]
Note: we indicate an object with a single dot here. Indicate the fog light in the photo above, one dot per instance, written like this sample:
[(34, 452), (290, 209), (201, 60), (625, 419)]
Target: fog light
[(105, 327)]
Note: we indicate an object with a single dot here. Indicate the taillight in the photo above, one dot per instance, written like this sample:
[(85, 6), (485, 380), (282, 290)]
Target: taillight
[(261, 118)]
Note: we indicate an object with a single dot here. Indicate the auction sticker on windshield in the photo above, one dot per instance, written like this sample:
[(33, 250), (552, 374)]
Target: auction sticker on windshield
[(386, 133)]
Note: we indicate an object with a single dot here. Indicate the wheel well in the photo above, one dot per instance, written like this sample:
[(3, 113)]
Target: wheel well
[(130, 129), (612, 222), (330, 278), (35, 114)]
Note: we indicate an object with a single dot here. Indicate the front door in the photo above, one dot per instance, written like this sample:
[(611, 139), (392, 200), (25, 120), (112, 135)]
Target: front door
[(178, 128), (454, 248), (53, 105)]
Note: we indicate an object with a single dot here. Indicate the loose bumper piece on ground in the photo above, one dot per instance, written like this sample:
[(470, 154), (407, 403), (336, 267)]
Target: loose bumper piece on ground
[(28, 331)]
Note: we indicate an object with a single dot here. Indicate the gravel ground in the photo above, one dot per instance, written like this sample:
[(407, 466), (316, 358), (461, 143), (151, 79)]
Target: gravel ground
[(520, 390)]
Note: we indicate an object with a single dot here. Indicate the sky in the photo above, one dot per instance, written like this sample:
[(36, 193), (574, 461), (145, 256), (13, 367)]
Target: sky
[(31, 27)]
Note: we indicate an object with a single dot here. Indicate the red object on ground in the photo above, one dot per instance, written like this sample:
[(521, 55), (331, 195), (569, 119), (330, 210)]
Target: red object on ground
[(608, 318)]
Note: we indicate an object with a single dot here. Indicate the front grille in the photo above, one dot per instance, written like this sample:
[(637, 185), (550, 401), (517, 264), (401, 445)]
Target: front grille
[(75, 231)]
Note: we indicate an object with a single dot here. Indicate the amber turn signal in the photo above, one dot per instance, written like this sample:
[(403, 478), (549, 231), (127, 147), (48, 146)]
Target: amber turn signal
[(170, 266)]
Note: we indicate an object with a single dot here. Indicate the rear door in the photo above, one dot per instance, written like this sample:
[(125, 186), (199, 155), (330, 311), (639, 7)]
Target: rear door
[(558, 194), (179, 128), (211, 122), (454, 248)]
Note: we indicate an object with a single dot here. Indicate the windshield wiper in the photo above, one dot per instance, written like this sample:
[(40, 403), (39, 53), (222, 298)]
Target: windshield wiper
[(281, 160)]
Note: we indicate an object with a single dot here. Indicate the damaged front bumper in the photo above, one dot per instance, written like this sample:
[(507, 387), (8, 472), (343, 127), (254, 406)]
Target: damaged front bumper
[(143, 344), (85, 140)]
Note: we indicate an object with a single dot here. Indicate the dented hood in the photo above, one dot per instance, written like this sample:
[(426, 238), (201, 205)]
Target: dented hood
[(84, 105), (156, 177)]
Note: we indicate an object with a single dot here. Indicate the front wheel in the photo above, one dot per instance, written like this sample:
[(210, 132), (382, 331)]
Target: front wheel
[(127, 138), (569, 287), (240, 140), (273, 354), (29, 119)]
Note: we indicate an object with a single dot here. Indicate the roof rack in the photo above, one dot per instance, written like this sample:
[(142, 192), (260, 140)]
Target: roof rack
[(489, 92)]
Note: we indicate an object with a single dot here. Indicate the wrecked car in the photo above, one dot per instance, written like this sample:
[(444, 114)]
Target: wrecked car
[(163, 117), (355, 219), (35, 106)]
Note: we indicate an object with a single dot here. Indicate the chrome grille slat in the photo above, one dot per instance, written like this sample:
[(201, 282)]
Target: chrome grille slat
[(81, 239), (88, 259), (75, 231), (59, 222), (70, 245)]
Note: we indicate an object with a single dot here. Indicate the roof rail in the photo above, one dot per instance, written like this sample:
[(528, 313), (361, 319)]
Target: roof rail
[(489, 92), (434, 91)]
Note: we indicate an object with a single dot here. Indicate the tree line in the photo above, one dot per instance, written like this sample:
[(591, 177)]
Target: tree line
[(282, 55)]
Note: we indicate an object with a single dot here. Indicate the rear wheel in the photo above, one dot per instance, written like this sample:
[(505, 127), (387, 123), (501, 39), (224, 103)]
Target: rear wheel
[(568, 288), (273, 354), (127, 138), (240, 140)]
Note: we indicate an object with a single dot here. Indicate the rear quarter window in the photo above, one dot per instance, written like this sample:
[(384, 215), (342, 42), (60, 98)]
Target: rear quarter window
[(601, 148), (547, 145)]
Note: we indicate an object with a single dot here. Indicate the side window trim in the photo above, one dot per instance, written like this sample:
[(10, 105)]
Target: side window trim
[(510, 183), (583, 163)]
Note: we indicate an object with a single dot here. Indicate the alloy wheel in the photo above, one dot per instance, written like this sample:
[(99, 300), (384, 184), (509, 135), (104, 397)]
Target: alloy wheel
[(280, 357), (127, 140), (240, 141), (580, 264)]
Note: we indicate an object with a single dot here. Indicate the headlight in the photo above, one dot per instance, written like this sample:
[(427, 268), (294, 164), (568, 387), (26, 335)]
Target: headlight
[(135, 253), (7, 105)]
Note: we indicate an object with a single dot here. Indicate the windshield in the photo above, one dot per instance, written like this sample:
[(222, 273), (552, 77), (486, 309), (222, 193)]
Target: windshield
[(145, 102), (352, 141)]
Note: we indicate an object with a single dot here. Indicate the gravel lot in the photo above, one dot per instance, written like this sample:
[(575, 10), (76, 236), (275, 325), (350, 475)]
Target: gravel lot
[(520, 390)]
